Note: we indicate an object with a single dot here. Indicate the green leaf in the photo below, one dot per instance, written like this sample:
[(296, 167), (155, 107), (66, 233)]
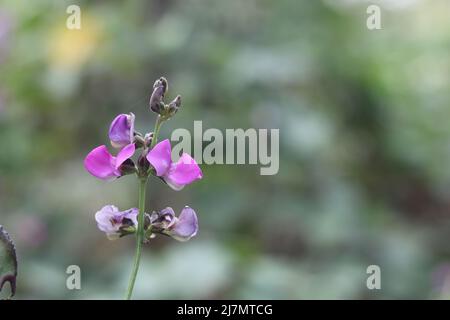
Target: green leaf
[(8, 261)]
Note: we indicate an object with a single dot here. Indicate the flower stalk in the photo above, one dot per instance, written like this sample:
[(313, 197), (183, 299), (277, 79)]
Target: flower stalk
[(139, 237), (140, 233), (158, 124)]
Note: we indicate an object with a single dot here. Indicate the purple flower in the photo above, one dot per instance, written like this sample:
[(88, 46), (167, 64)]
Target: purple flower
[(180, 228), (116, 223), (178, 174), (101, 164), (121, 131)]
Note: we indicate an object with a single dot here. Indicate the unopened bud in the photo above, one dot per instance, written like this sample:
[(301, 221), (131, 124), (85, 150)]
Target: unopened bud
[(163, 83), (174, 105), (160, 88), (148, 139), (139, 141)]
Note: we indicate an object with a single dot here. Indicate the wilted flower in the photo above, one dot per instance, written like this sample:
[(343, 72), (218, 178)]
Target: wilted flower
[(116, 223), (178, 174), (181, 228), (121, 131), (101, 164)]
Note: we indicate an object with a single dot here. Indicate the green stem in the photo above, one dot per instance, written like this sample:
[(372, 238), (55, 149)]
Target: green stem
[(139, 236), (158, 123), (140, 233)]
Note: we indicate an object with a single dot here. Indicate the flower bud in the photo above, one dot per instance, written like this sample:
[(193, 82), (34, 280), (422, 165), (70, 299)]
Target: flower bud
[(162, 82), (148, 139), (174, 105), (160, 88), (121, 131), (139, 140)]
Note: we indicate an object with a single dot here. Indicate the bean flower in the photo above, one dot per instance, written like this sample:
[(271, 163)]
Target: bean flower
[(181, 228), (116, 223), (151, 159), (178, 174), (101, 164)]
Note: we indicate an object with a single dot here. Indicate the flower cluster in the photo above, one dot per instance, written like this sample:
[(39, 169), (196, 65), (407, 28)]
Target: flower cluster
[(117, 223), (152, 159)]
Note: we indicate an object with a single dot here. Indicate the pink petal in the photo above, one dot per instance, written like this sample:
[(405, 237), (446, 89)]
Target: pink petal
[(124, 154), (184, 172), (160, 157), (186, 227), (100, 163)]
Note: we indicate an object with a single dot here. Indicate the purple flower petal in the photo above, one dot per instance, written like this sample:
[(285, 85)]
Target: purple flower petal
[(185, 227), (167, 211), (163, 219), (124, 154), (101, 164), (160, 157), (107, 219), (184, 172), (132, 214), (121, 131)]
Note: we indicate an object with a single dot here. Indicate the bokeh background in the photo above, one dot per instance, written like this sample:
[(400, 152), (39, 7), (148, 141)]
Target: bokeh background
[(364, 145)]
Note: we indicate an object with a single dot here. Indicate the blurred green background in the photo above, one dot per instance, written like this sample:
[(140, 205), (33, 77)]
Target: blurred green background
[(364, 145)]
